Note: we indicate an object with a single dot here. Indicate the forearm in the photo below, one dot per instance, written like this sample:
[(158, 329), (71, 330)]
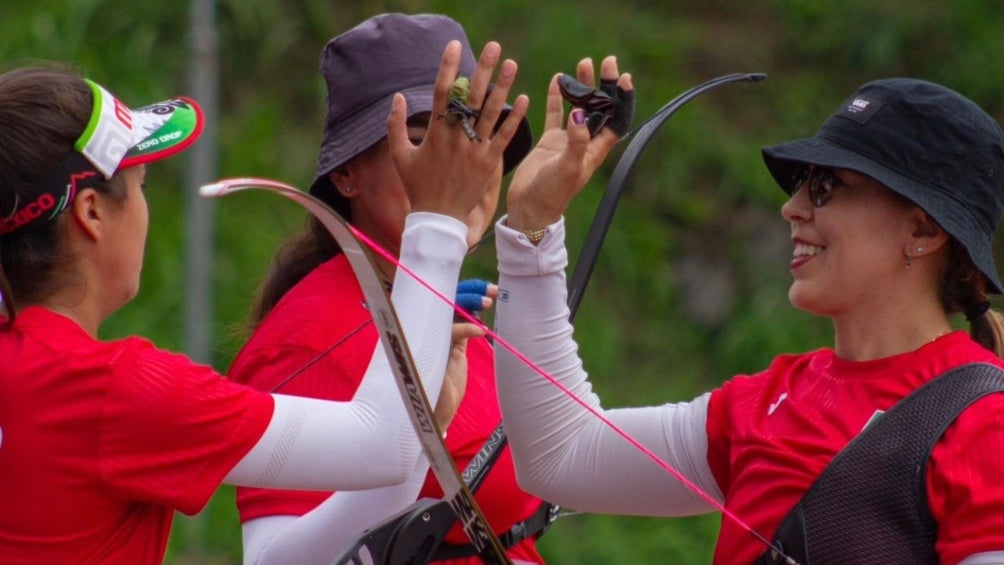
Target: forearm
[(327, 530), (532, 317), (368, 442), (562, 452)]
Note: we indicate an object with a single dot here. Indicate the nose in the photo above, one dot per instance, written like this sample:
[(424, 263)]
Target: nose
[(798, 207)]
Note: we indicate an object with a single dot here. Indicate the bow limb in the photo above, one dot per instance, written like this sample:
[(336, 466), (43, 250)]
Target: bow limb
[(395, 345), (618, 180)]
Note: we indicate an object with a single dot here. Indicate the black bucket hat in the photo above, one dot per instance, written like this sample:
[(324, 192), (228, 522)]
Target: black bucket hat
[(923, 141), (365, 66)]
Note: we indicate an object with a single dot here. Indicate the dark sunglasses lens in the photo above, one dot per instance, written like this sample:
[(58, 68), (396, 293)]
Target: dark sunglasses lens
[(821, 187), (820, 182), (798, 180)]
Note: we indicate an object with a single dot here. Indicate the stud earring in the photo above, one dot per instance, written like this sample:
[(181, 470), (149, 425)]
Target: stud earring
[(347, 190), (920, 249)]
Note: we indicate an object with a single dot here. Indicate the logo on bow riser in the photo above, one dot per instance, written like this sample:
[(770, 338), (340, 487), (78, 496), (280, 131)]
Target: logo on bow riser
[(414, 395)]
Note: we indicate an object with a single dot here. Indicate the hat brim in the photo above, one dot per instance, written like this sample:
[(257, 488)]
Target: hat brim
[(183, 126), (786, 160), (118, 137), (355, 135)]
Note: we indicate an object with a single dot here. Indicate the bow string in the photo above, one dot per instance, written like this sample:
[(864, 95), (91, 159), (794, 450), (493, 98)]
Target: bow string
[(395, 346), (458, 490)]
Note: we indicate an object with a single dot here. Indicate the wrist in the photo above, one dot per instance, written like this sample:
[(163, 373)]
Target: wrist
[(533, 232)]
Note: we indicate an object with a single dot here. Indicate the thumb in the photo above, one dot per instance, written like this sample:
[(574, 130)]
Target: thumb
[(464, 330), (578, 136), (459, 347)]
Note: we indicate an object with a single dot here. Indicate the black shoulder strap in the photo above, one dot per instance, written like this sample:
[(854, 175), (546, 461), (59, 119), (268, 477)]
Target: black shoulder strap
[(870, 504)]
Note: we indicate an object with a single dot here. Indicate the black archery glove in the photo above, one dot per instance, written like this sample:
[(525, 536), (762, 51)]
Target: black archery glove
[(623, 114), (609, 105)]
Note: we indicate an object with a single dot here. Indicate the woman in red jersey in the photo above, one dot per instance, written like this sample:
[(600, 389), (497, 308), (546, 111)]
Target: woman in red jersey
[(356, 175), (892, 206), (101, 441)]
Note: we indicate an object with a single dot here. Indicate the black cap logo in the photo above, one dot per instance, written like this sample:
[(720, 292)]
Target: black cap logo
[(860, 109)]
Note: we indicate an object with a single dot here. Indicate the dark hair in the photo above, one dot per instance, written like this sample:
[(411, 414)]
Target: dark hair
[(964, 289), (294, 260), (304, 252), (43, 110)]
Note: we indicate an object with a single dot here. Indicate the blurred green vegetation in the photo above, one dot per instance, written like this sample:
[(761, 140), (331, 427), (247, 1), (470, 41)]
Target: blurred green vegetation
[(691, 285)]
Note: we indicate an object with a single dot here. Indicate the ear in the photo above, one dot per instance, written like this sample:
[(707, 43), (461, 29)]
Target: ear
[(927, 236), (341, 178), (87, 213)]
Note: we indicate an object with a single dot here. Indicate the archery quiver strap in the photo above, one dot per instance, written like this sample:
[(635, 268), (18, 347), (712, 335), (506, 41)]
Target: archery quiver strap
[(870, 503)]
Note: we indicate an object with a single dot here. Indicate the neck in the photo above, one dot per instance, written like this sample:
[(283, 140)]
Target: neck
[(79, 298), (874, 336), (385, 267), (386, 270), (84, 317)]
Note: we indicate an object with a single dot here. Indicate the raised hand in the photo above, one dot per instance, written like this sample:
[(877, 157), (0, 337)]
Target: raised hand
[(565, 158), (450, 173)]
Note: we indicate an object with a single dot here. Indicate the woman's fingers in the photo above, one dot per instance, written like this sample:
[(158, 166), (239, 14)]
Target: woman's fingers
[(565, 157), (453, 170)]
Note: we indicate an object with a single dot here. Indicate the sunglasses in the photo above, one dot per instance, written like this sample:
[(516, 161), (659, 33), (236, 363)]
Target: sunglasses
[(821, 182)]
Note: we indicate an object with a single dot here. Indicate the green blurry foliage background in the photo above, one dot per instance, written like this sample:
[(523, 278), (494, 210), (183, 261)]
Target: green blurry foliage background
[(691, 286)]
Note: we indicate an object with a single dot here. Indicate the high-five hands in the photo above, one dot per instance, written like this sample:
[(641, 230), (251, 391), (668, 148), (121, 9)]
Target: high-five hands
[(565, 158)]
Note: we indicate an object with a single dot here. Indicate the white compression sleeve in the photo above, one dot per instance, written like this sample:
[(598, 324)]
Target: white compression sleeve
[(562, 452), (326, 531), (368, 442)]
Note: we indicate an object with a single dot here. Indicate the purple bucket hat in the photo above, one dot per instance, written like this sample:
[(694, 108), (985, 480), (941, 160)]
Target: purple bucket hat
[(365, 66)]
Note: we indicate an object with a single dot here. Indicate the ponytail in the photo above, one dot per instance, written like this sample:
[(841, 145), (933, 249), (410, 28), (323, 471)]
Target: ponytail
[(987, 329), (964, 290), (43, 111)]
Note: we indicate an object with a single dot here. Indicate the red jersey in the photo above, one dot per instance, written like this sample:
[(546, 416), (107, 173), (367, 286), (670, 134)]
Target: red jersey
[(100, 442), (293, 336), (770, 435)]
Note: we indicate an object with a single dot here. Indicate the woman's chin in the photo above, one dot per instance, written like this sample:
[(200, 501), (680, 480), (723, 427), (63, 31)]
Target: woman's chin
[(801, 298)]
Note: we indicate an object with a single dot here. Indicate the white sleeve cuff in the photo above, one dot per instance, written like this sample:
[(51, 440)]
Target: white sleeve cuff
[(518, 257), (433, 236)]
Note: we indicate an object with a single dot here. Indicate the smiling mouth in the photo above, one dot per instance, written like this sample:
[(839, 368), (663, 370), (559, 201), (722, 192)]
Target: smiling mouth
[(802, 253)]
